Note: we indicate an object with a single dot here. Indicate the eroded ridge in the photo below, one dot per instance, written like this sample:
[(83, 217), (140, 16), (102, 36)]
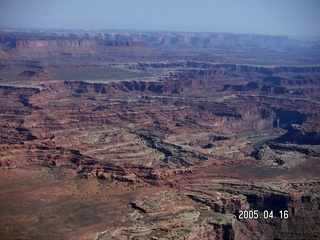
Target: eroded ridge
[(95, 145)]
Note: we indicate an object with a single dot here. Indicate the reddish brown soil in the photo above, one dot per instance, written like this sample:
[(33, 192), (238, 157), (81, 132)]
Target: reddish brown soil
[(169, 156)]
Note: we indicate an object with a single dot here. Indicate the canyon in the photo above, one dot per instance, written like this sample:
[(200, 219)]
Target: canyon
[(158, 136)]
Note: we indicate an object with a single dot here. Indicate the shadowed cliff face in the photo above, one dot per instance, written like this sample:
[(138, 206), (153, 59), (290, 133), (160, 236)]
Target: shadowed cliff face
[(288, 117), (126, 86), (300, 135)]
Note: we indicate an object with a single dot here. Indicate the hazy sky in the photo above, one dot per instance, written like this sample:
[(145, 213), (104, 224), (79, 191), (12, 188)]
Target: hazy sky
[(278, 17)]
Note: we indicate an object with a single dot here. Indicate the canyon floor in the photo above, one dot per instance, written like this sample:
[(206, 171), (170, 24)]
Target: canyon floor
[(104, 139)]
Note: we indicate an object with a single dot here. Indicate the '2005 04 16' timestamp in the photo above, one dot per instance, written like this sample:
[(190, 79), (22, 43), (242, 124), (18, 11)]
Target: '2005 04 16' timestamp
[(255, 214)]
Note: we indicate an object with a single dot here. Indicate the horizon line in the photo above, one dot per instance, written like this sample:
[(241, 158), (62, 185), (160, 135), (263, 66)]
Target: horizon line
[(136, 30)]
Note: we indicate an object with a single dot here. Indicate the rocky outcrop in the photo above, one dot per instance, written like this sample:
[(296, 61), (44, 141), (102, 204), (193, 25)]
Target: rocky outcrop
[(300, 135), (216, 215), (252, 86), (11, 91), (126, 86)]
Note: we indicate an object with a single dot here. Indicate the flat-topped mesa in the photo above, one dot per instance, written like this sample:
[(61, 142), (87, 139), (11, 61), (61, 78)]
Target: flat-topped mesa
[(63, 44), (290, 76), (63, 48)]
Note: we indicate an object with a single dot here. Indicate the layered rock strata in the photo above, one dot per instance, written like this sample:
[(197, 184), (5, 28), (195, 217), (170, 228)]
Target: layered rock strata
[(160, 158)]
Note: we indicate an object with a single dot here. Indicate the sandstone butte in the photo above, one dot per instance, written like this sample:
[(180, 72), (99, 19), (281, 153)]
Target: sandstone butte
[(109, 138)]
